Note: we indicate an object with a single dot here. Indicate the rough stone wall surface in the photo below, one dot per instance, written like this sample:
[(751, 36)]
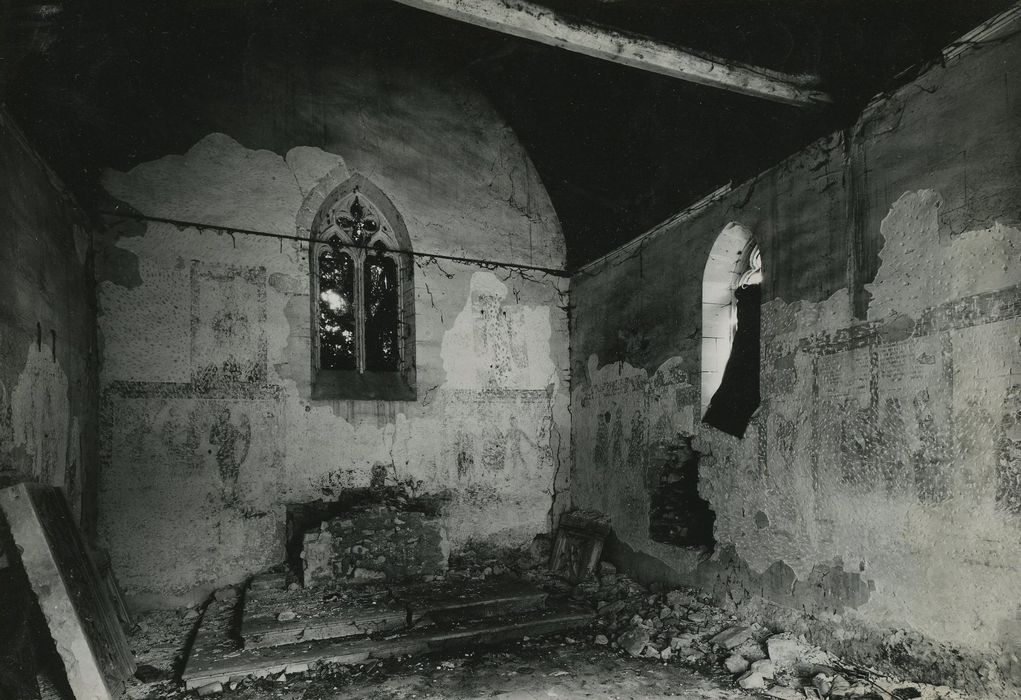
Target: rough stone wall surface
[(48, 389), (208, 428), (378, 543), (879, 486)]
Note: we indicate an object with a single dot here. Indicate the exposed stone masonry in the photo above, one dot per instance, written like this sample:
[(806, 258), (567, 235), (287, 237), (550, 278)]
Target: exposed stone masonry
[(378, 543)]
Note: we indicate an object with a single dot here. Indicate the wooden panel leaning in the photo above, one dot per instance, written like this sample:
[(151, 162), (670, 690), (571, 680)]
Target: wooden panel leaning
[(74, 600)]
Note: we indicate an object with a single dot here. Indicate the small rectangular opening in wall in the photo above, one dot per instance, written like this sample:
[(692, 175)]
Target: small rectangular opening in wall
[(678, 515)]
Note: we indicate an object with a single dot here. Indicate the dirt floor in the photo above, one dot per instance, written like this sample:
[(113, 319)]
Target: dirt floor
[(561, 666)]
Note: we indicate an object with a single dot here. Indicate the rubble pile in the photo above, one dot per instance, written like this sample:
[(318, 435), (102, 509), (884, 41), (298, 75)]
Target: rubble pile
[(377, 543), (683, 626)]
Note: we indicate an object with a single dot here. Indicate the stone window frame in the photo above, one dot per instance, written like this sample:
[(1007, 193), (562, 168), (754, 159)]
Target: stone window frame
[(728, 268), (360, 384)]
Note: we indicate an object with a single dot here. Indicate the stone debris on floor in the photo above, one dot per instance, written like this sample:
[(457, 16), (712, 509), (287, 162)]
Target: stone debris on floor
[(676, 630)]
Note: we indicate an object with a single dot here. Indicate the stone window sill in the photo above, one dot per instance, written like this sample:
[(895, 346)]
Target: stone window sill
[(370, 386)]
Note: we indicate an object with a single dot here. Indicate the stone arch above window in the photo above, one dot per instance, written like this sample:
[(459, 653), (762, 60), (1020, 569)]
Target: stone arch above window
[(732, 279), (362, 295)]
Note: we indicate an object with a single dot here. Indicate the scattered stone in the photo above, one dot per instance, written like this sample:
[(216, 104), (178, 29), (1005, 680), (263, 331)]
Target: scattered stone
[(678, 598), (783, 651), (682, 641), (736, 663), (651, 652), (191, 614), (839, 687), (282, 678), (287, 616), (634, 640), (368, 574), (601, 640), (210, 689), (822, 683), (607, 569), (764, 667), (751, 650), (293, 586), (751, 680), (732, 637), (226, 595), (666, 653), (665, 612)]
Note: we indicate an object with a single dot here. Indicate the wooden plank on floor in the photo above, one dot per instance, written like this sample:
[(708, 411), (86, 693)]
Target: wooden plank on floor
[(317, 614), (488, 598), (216, 658), (81, 618)]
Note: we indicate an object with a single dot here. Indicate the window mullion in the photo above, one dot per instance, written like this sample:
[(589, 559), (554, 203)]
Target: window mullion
[(360, 309), (313, 252)]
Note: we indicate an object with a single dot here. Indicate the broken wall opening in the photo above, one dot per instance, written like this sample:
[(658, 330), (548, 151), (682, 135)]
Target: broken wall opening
[(678, 515)]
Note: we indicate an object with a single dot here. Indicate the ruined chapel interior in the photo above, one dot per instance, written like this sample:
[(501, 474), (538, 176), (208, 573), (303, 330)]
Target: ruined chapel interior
[(473, 348)]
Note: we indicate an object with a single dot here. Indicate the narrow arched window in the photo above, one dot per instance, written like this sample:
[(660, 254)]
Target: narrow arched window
[(731, 301), (362, 290)]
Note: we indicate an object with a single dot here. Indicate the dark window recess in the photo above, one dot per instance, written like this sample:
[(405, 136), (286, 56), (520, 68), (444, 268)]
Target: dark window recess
[(733, 404), (382, 316), (677, 514), (336, 310)]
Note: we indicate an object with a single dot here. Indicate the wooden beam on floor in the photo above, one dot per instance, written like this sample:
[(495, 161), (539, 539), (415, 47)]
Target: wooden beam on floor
[(530, 21)]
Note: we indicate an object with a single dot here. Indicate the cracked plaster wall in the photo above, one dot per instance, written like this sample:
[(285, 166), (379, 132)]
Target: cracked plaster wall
[(47, 336), (878, 488), (208, 428)]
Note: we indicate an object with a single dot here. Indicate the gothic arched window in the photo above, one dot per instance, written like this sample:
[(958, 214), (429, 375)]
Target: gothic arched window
[(730, 331), (362, 297)]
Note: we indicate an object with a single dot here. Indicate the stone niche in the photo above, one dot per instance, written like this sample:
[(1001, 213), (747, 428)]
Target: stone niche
[(373, 539)]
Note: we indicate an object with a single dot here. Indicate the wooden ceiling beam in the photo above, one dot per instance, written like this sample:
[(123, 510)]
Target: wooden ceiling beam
[(528, 20)]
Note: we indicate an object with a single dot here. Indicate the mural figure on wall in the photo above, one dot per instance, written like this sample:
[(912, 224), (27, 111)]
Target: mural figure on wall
[(516, 457), (234, 442)]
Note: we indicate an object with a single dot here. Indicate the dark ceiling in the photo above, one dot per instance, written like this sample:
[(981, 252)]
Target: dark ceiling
[(619, 149)]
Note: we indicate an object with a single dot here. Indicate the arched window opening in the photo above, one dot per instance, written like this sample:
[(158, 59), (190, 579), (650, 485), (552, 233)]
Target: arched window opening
[(362, 291), (731, 300)]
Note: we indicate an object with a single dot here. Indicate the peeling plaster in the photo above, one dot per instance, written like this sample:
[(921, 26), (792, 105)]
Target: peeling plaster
[(875, 502), (922, 266), (879, 445), (41, 415), (497, 345), (206, 378)]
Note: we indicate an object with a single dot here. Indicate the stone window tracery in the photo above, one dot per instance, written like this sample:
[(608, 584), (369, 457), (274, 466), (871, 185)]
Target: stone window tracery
[(362, 295)]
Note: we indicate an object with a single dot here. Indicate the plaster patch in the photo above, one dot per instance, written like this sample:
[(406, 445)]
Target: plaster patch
[(496, 345), (310, 165), (161, 306), (218, 181), (41, 415), (202, 460), (923, 267)]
